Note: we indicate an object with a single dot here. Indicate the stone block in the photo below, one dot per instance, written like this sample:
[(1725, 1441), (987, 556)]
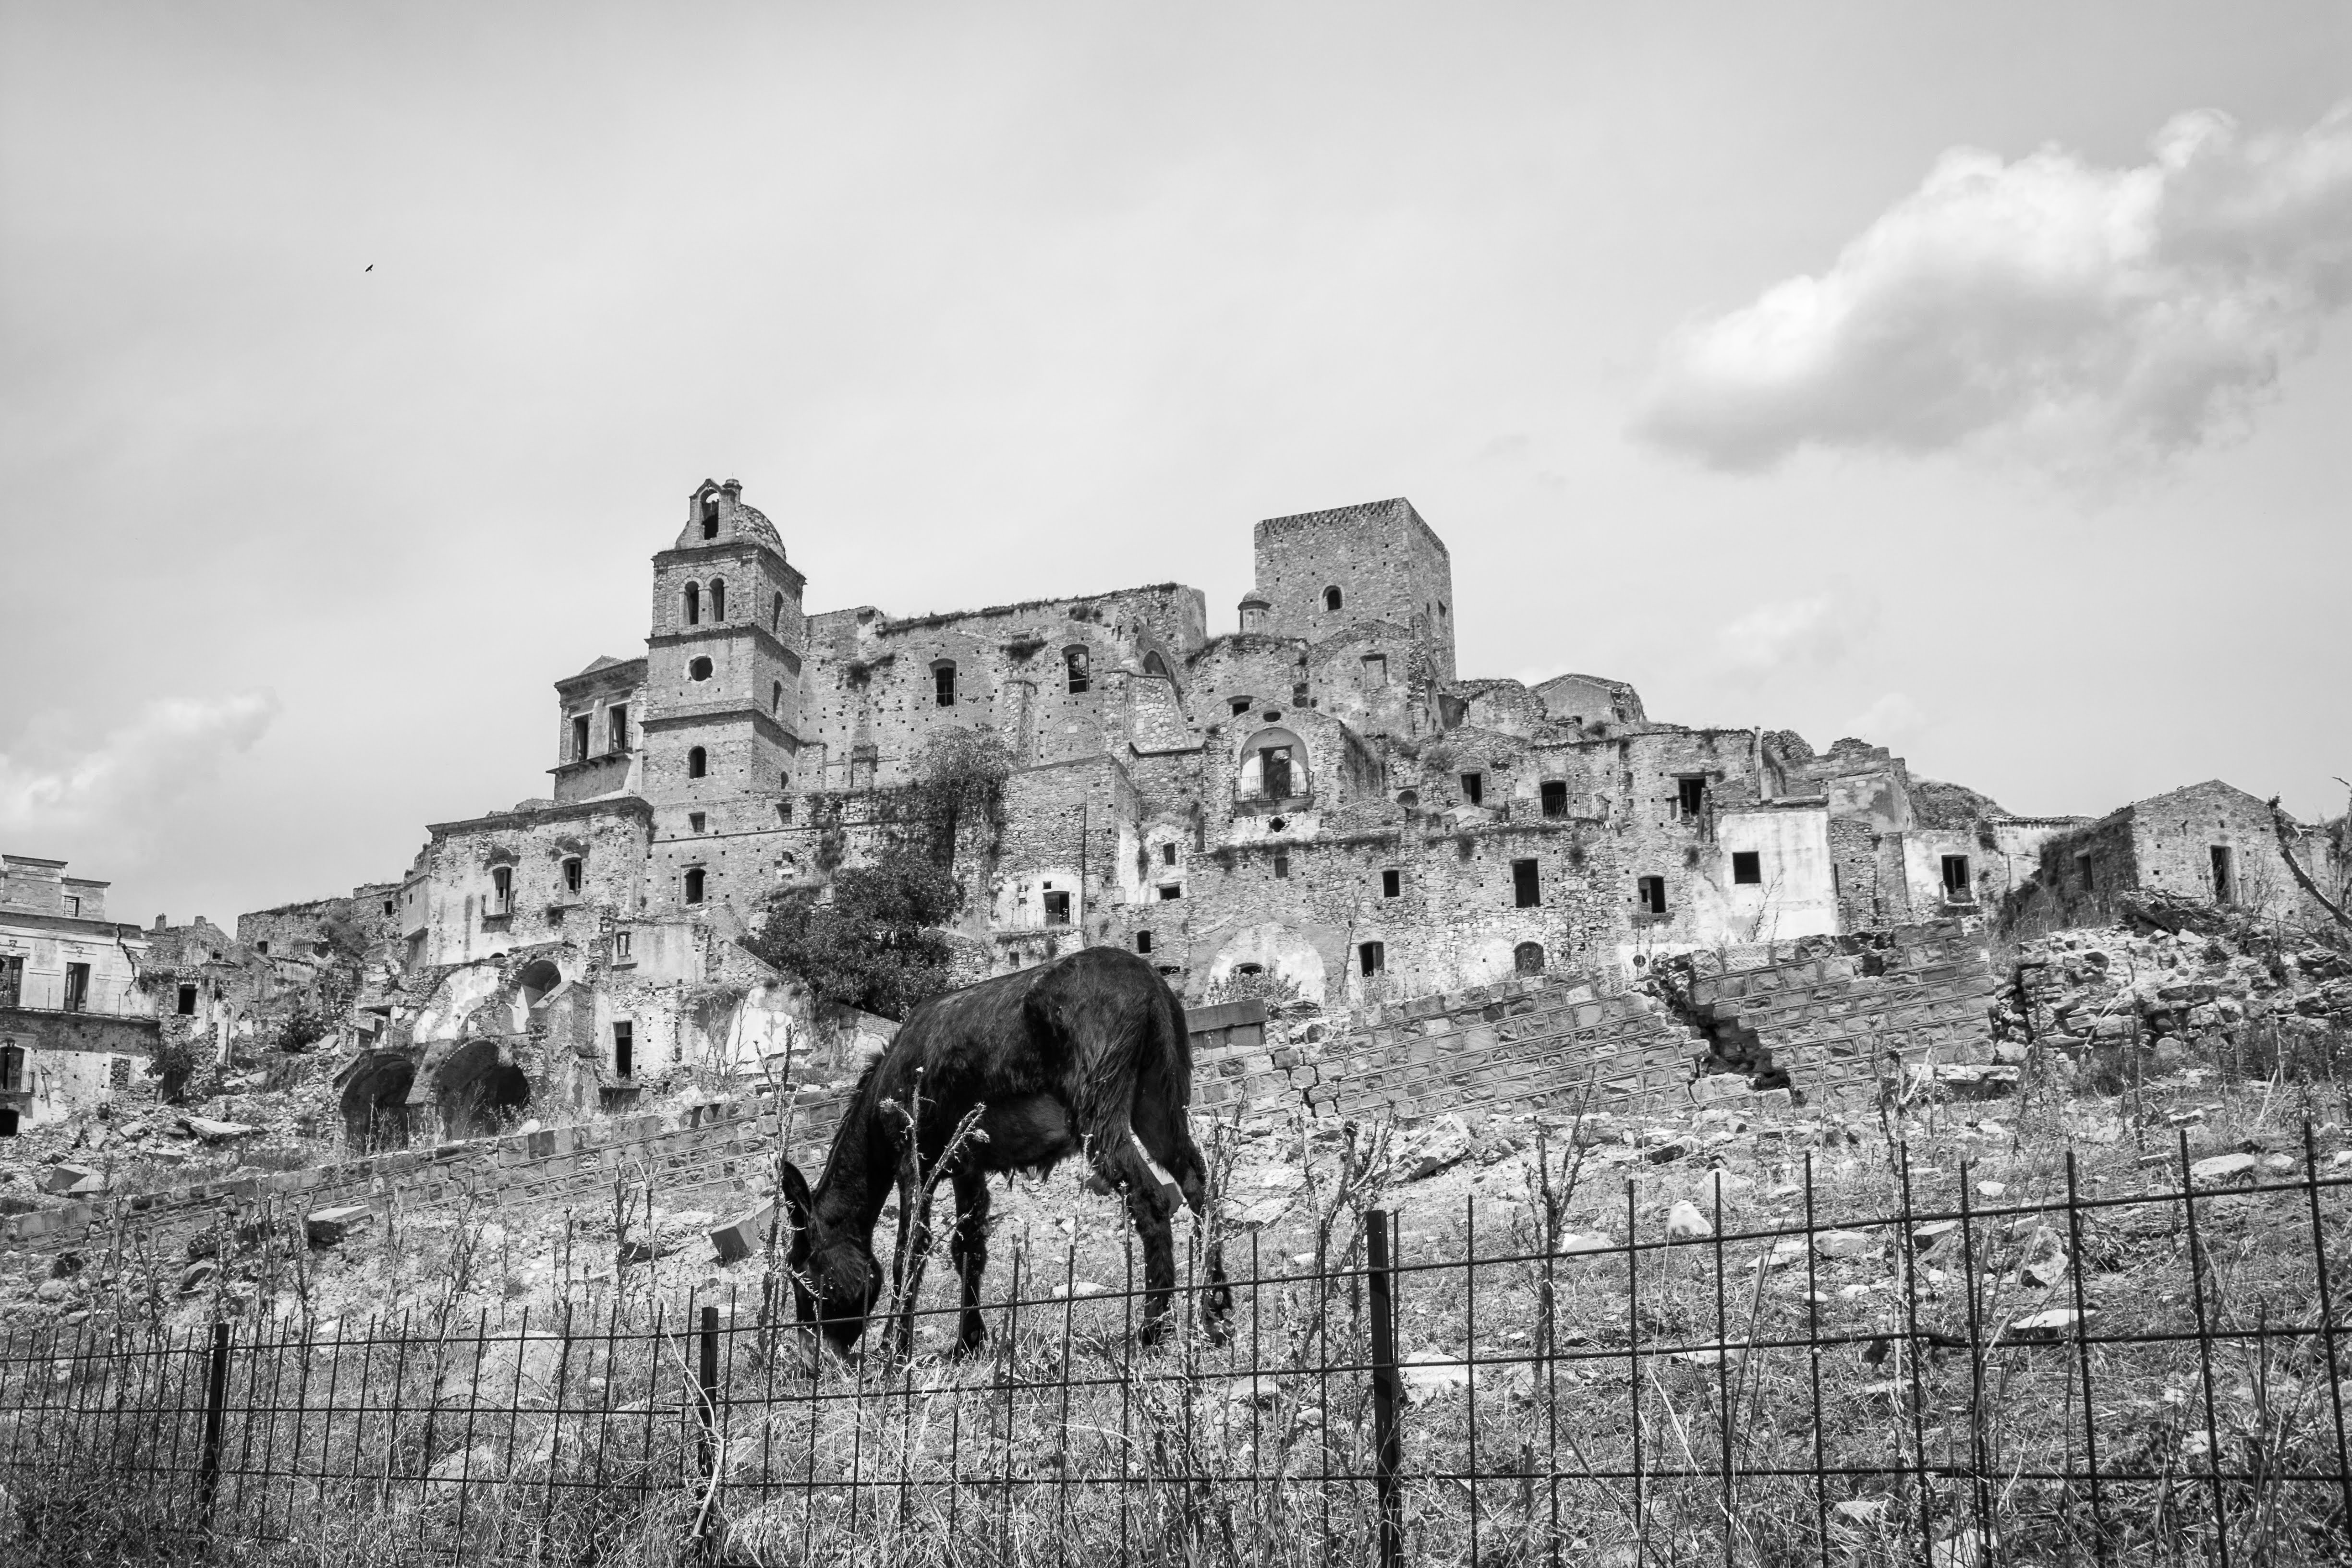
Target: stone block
[(329, 1227), (72, 1181), (742, 1236)]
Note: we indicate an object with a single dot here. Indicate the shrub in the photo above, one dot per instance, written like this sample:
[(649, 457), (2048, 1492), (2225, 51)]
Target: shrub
[(875, 946)]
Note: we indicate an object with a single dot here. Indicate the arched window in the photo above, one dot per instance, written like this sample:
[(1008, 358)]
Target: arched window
[(1075, 659), (1527, 957), (1153, 665), (709, 515), (1332, 599), (776, 616), (719, 599), (694, 604), (1273, 767), (776, 699), (944, 688), (697, 669), (694, 885), (698, 762)]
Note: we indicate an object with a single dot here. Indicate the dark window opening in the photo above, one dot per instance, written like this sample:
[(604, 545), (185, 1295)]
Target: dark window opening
[(1249, 969), (625, 1049), (710, 516), (1168, 854), (2225, 883), (694, 820), (943, 685), (187, 1001), (1409, 798), (1075, 661), (1392, 883), (1528, 958), (1747, 867), (1555, 797), (1282, 867), (572, 874), (698, 762), (1372, 958), (1956, 878), (719, 599), (1299, 696), (784, 812), (1273, 772), (694, 885), (1651, 892), (1058, 909), (502, 890), (1690, 796), (616, 727), (698, 670), (1332, 599), (1153, 665), (580, 737), (2082, 872), (694, 604), (776, 615), (1171, 890), (12, 1070), (621, 945), (1240, 705), (1527, 884), (12, 981), (775, 699), (262, 947), (1143, 941), (1473, 787)]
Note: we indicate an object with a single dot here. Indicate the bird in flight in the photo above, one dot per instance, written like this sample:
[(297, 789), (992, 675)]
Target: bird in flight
[(370, 267)]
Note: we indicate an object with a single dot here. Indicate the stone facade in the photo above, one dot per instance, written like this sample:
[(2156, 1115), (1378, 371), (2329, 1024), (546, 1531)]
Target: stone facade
[(75, 1030)]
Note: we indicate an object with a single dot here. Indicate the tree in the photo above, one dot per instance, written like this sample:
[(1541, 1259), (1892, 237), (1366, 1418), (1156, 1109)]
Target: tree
[(960, 782), (876, 944)]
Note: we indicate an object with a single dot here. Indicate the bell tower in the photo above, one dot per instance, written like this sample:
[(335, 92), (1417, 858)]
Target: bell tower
[(722, 704)]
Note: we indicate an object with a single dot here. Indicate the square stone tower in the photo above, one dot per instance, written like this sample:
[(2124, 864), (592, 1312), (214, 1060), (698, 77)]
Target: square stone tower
[(722, 701), (1320, 573)]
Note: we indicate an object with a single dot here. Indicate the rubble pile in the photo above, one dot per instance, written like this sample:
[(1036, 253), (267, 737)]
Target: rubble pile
[(2181, 984)]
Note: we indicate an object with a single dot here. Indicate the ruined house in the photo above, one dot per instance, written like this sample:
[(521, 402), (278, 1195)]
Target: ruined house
[(75, 1030)]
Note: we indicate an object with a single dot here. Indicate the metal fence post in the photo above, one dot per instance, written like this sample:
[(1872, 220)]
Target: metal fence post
[(1387, 1390), (216, 1405), (704, 1450)]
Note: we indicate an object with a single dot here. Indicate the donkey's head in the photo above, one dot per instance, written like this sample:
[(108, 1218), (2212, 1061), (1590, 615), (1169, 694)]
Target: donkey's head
[(836, 1279)]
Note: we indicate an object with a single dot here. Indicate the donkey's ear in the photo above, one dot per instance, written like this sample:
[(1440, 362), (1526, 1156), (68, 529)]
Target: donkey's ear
[(795, 1190)]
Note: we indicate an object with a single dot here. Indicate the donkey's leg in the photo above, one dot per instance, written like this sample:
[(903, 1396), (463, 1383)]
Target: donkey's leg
[(1220, 1299), (1145, 1207), (968, 1247), (907, 1270)]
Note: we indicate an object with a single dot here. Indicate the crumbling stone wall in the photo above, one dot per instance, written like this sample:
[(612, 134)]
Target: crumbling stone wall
[(1388, 564)]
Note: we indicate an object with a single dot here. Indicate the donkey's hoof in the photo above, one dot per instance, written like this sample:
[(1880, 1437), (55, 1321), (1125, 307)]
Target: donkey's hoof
[(972, 1343)]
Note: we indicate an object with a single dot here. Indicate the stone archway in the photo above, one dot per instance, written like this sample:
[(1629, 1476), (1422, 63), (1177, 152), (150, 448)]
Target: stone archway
[(375, 1103), (478, 1090)]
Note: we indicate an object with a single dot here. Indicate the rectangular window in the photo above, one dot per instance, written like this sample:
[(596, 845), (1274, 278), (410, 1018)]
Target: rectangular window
[(1376, 670), (76, 988), (1240, 705), (1527, 884), (1650, 891), (1273, 766), (502, 890), (1281, 866), (73, 904), (694, 822), (1747, 867), (1956, 878), (12, 981), (1171, 890), (1392, 883), (616, 727), (1058, 909), (187, 1007), (117, 1074), (1372, 958), (1167, 854), (625, 1050), (943, 685), (572, 875), (621, 945), (2083, 872), (580, 737), (1555, 797), (784, 812), (1143, 941), (1690, 797), (1473, 787), (1299, 696)]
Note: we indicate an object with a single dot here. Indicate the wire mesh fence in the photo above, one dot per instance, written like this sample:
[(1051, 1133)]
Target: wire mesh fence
[(1946, 1378)]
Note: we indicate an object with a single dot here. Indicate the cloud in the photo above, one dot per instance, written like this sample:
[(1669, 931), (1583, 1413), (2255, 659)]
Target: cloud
[(49, 789), (1789, 631), (2078, 316), (1891, 720)]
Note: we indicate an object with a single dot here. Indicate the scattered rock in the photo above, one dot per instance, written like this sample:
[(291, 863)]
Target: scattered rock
[(213, 1131), (72, 1181), (329, 1226), (197, 1275), (2218, 1168), (744, 1235), (1685, 1223), (2044, 1328), (1078, 1290), (1427, 1375), (1845, 1244)]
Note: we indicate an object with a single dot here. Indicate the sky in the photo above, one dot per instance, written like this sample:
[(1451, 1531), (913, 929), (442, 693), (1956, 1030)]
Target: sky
[(1972, 380)]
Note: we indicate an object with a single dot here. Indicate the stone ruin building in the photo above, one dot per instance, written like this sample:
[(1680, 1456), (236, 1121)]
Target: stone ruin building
[(1315, 798)]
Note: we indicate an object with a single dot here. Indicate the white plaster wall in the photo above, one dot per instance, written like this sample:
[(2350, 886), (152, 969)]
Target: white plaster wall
[(1279, 949)]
